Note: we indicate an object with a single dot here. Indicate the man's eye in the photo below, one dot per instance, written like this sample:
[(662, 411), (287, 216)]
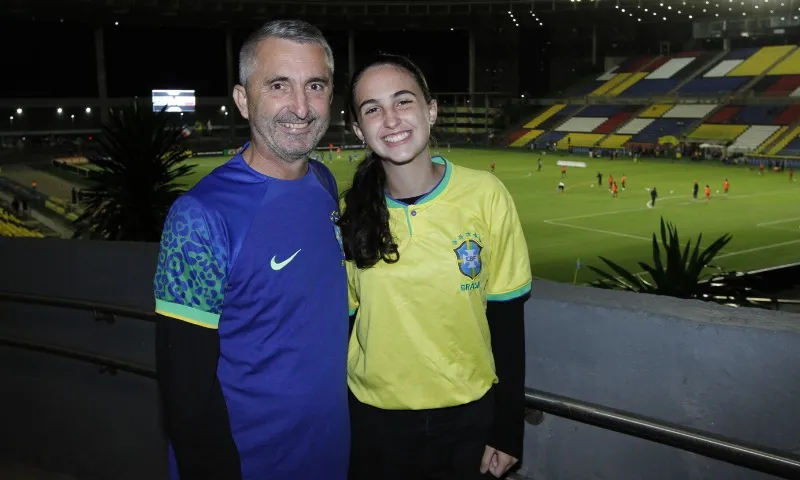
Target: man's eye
[(370, 111), (317, 87)]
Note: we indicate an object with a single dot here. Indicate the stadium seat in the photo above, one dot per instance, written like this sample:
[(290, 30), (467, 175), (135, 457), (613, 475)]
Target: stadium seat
[(783, 143), (614, 141), (715, 132), (635, 126), (11, 226), (777, 134), (581, 124), (711, 87), (525, 139), (579, 140), (788, 116), (754, 136), (611, 124), (662, 127), (759, 62), (545, 115), (724, 114), (791, 149), (788, 66), (655, 111), (690, 111), (549, 138)]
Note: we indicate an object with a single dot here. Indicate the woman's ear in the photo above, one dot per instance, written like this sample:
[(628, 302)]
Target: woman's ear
[(358, 132), (433, 111)]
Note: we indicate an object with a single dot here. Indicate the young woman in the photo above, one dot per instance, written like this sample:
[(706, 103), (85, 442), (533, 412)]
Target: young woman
[(438, 274)]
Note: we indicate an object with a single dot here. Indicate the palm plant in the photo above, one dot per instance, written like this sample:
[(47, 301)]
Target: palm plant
[(684, 272), (141, 158)]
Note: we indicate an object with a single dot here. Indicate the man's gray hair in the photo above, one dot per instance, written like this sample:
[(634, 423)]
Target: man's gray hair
[(295, 30)]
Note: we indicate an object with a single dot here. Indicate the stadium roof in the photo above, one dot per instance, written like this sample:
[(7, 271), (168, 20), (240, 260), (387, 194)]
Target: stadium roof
[(392, 13)]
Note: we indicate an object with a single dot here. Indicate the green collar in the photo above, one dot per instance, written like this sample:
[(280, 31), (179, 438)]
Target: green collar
[(438, 189)]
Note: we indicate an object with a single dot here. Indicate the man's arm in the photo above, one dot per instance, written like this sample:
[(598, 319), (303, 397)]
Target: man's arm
[(189, 289), (196, 415)]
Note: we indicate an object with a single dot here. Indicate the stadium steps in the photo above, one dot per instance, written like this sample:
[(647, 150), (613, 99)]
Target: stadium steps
[(775, 136), (792, 133), (700, 71), (754, 81)]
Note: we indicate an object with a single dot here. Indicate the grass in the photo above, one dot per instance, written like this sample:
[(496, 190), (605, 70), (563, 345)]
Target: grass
[(585, 222)]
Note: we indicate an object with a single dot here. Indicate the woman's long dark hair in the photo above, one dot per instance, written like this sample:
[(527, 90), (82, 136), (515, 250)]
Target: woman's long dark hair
[(365, 220)]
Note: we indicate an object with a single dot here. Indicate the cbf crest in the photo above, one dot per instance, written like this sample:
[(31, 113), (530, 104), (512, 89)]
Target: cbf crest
[(468, 254)]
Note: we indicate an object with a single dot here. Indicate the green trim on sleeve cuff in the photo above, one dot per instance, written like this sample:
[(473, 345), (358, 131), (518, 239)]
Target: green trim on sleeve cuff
[(352, 311), (187, 314), (502, 297)]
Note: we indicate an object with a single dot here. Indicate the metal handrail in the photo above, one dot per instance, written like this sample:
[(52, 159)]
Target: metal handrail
[(76, 304), (754, 457), (107, 363)]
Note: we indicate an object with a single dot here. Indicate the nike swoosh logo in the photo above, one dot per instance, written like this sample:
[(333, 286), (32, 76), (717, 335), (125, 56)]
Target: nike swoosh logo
[(279, 265)]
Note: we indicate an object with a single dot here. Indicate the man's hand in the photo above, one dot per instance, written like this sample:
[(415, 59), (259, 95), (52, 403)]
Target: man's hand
[(496, 462)]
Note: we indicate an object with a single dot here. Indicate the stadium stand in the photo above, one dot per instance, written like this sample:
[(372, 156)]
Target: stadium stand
[(753, 137), (788, 116), (788, 66), (662, 127), (545, 115), (11, 226), (760, 61), (778, 86), (783, 144), (655, 111), (526, 138), (689, 111), (792, 148), (549, 138), (614, 141), (579, 140), (772, 138), (754, 115), (722, 133), (581, 124), (667, 72), (716, 81), (635, 126)]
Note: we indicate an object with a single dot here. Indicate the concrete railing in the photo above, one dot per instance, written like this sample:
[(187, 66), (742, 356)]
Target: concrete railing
[(727, 371)]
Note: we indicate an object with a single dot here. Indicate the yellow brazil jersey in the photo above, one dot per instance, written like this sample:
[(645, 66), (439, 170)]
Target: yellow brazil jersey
[(421, 338)]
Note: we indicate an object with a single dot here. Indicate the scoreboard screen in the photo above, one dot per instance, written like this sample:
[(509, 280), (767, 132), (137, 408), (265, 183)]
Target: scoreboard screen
[(174, 100)]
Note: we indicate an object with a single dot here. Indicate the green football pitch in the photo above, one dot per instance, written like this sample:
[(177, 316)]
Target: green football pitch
[(762, 213)]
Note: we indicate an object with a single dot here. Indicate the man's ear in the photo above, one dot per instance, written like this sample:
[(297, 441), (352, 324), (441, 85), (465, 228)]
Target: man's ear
[(358, 132), (240, 98), (433, 111)]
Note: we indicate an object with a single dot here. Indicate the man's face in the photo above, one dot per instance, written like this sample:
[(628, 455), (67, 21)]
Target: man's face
[(287, 98)]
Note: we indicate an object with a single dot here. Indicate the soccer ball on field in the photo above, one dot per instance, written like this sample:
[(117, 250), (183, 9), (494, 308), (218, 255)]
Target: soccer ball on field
[(717, 191), (649, 204), (672, 191)]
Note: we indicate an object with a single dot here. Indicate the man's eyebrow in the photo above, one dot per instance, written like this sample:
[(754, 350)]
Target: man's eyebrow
[(324, 80), (276, 78), (394, 95)]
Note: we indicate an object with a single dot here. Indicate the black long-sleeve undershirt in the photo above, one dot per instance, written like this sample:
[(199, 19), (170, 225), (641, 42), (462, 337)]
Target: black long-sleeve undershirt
[(507, 328), (195, 413)]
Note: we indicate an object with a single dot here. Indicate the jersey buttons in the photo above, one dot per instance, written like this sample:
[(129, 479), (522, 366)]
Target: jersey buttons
[(413, 213)]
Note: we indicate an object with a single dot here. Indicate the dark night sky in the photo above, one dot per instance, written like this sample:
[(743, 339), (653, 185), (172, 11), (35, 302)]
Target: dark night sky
[(58, 59)]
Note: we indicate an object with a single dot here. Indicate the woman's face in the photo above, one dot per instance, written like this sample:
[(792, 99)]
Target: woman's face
[(393, 117)]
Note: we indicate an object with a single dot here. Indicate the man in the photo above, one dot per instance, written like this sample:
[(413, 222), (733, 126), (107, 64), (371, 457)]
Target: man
[(251, 288)]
